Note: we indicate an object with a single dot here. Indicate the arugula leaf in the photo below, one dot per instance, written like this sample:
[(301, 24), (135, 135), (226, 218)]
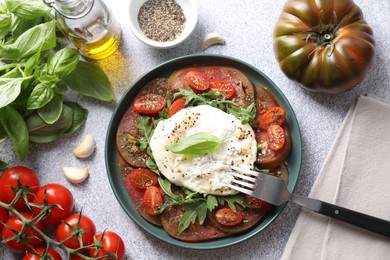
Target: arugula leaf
[(212, 202), (197, 144), (216, 99), (89, 79), (16, 129), (231, 200), (153, 166), (194, 211), (146, 131), (166, 186)]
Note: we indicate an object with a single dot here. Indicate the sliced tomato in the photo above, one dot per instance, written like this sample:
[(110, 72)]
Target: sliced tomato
[(275, 137), (152, 200), (224, 87), (227, 217), (197, 80), (273, 116), (255, 203), (142, 178), (177, 105), (149, 103)]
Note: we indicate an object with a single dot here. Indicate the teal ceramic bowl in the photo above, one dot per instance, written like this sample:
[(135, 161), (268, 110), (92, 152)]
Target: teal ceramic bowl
[(164, 70)]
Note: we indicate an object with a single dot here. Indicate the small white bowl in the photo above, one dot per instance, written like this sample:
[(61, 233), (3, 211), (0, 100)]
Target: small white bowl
[(190, 10)]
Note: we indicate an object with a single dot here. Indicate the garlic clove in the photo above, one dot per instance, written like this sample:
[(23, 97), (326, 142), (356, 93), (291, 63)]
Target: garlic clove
[(212, 39), (86, 148), (75, 174)]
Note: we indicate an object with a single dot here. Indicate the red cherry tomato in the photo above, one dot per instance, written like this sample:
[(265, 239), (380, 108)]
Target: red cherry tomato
[(14, 223), (227, 217), (224, 87), (149, 104), (56, 194), (255, 203), (142, 178), (177, 105), (275, 137), (152, 199), (273, 116), (28, 179), (39, 253), (110, 243), (4, 215), (197, 80), (64, 231)]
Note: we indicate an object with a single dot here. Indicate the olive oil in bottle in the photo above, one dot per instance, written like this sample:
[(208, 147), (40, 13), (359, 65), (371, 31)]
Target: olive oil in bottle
[(89, 25)]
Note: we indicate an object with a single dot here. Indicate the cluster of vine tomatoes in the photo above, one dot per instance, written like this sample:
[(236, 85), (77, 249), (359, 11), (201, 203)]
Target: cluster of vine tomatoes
[(50, 204)]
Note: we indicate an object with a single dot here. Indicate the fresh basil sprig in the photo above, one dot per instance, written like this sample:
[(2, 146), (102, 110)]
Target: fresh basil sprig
[(35, 73), (197, 144)]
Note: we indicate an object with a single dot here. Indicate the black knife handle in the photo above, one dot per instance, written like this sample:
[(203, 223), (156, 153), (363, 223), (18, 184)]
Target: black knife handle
[(358, 219)]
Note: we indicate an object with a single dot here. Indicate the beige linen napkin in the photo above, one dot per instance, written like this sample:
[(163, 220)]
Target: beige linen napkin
[(355, 175)]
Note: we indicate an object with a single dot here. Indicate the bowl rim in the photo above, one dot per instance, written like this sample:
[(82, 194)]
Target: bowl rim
[(188, 29), (110, 150)]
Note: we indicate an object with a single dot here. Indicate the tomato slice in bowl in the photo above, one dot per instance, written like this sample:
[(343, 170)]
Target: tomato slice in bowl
[(149, 104), (197, 80), (142, 178), (224, 87), (176, 106)]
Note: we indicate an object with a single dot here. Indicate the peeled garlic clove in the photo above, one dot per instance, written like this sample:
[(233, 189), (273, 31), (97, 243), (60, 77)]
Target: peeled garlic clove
[(75, 175), (212, 39), (86, 148)]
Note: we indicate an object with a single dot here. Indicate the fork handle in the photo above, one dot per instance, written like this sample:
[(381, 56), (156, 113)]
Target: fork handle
[(359, 219)]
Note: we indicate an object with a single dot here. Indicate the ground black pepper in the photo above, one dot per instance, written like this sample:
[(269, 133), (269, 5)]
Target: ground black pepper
[(161, 20)]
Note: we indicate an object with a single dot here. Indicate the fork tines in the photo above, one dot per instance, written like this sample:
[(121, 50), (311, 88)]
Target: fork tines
[(243, 182)]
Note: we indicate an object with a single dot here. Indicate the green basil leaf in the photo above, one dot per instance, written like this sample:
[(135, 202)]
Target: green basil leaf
[(39, 38), (3, 165), (80, 115), (197, 144), (47, 79), (60, 87), (14, 73), (52, 111), (63, 63), (16, 129), (39, 128), (20, 25), (31, 63), (40, 96), (44, 139), (90, 80), (5, 24), (27, 9), (9, 90)]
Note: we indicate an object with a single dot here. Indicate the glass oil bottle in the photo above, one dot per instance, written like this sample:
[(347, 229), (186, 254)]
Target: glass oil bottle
[(89, 25)]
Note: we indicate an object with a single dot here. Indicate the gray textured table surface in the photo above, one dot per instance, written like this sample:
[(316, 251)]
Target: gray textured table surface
[(247, 27)]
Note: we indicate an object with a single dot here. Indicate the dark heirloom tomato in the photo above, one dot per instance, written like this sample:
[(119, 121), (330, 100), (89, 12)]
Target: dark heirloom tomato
[(325, 45)]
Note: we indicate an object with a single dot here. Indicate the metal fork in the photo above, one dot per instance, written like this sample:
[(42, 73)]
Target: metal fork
[(274, 190)]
